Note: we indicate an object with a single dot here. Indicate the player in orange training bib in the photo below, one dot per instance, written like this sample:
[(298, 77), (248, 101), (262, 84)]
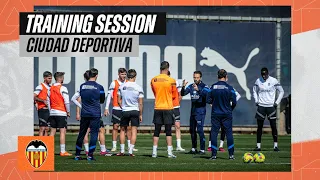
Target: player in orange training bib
[(165, 91)]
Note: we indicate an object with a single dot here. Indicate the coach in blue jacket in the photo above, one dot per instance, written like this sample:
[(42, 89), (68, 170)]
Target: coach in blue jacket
[(198, 92), (222, 96)]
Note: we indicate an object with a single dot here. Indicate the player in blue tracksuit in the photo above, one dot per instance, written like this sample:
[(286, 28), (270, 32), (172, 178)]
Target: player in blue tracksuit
[(222, 96), (198, 92), (92, 95)]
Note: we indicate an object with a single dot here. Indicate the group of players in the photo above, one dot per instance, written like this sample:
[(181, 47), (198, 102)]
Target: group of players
[(53, 106)]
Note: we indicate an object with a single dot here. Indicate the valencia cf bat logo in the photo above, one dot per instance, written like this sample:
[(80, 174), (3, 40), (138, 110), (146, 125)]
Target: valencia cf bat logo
[(36, 153)]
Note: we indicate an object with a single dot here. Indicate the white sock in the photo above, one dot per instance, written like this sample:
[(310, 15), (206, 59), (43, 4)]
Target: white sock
[(114, 144), (131, 148), (170, 150), (193, 149), (202, 150), (103, 148), (154, 149), (259, 145), (122, 148), (86, 147), (128, 143), (62, 148), (275, 144), (178, 142), (221, 144), (210, 144)]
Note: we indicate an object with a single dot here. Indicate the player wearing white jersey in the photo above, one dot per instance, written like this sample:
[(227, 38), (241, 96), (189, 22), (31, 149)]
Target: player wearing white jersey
[(264, 93), (116, 111), (130, 99)]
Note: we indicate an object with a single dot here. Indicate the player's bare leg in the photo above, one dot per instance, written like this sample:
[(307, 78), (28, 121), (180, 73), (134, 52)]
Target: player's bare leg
[(129, 136), (169, 140), (53, 131), (41, 131), (122, 141), (63, 151), (133, 139), (46, 130), (86, 142), (157, 129), (114, 137), (102, 140), (155, 146), (128, 133), (178, 136)]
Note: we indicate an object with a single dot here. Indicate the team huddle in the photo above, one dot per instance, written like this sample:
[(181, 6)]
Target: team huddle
[(53, 105)]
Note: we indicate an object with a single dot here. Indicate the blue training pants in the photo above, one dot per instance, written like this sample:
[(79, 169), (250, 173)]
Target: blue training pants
[(196, 125), (226, 122), (85, 123)]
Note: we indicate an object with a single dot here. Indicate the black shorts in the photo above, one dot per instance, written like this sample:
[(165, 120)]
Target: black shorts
[(130, 117), (58, 121), (101, 123), (163, 117), (176, 112), (269, 112), (43, 115), (116, 116)]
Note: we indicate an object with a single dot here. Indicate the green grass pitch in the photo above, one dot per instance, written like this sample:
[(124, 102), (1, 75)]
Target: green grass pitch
[(275, 161)]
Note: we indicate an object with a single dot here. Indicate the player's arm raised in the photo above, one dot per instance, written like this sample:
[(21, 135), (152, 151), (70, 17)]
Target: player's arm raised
[(141, 96), (185, 91)]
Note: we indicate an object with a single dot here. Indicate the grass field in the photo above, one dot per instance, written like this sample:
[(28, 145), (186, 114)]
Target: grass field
[(275, 161)]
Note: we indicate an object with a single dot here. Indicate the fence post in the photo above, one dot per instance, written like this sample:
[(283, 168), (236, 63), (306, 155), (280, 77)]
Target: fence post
[(107, 129), (280, 120)]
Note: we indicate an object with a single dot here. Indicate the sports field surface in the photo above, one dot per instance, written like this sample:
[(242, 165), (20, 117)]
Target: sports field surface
[(275, 161)]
